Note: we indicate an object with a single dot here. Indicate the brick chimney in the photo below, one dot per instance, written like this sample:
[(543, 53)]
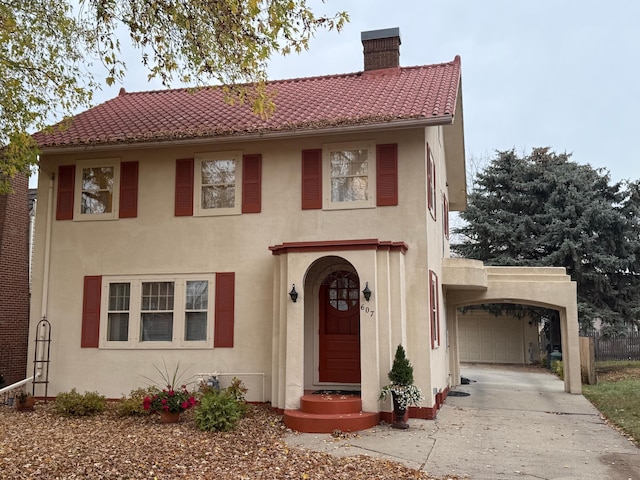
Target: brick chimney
[(381, 48)]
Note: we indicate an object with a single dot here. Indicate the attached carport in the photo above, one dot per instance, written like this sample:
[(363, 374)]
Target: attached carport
[(470, 282)]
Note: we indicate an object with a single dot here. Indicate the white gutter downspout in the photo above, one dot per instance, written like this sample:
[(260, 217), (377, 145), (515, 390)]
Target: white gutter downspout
[(44, 304), (47, 249)]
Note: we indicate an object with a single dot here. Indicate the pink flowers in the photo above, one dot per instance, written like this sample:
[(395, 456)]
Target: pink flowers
[(170, 400)]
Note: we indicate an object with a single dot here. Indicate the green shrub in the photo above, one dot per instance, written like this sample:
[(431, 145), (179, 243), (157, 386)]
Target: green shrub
[(557, 367), (237, 390), (133, 404), (218, 411), (74, 404)]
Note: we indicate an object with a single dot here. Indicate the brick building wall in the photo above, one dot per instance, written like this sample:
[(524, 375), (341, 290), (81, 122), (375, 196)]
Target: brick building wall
[(14, 281)]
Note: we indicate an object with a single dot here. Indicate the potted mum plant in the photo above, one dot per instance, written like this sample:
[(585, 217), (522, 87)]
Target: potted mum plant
[(403, 392), (171, 401)]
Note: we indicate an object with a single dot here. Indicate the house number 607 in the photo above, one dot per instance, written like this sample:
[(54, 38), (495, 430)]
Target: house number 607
[(367, 310)]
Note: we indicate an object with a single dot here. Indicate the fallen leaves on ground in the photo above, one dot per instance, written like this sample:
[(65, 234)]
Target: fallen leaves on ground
[(617, 374), (43, 445)]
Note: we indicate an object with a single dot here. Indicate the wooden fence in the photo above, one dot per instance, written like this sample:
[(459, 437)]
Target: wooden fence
[(617, 348)]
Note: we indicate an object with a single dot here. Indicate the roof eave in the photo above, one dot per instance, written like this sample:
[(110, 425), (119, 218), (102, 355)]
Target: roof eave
[(400, 124)]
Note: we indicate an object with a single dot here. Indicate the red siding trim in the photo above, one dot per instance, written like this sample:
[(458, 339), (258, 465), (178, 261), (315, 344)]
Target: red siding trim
[(311, 179), (66, 186), (251, 183), (184, 187), (128, 189), (224, 309), (91, 312), (387, 174)]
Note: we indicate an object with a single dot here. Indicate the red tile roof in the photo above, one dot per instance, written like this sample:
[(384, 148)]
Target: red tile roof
[(376, 97)]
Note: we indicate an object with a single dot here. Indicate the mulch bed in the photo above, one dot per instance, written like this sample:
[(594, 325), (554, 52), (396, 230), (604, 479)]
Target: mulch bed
[(43, 445)]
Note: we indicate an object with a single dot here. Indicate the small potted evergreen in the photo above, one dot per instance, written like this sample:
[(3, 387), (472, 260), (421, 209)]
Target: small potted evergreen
[(403, 392)]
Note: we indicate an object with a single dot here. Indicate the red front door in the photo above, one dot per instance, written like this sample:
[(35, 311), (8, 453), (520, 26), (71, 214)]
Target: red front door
[(339, 336)]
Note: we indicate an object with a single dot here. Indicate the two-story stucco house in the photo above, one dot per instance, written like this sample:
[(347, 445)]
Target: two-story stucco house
[(294, 252)]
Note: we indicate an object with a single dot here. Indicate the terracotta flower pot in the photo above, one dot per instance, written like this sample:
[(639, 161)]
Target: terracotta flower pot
[(169, 417), (26, 405)]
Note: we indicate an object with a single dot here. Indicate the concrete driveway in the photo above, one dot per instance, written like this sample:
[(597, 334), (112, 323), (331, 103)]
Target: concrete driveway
[(517, 422)]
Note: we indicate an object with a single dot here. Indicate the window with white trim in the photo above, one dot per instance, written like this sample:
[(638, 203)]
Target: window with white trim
[(445, 216), (218, 183), (349, 175), (434, 315), (97, 184), (157, 312), (118, 312), (431, 182)]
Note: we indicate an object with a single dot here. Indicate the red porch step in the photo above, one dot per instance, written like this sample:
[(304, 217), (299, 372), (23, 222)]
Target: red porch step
[(324, 413)]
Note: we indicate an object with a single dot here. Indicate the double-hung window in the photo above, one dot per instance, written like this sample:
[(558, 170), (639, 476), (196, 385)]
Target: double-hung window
[(196, 310), (156, 311), (118, 312), (350, 176), (218, 183), (97, 190), (97, 185)]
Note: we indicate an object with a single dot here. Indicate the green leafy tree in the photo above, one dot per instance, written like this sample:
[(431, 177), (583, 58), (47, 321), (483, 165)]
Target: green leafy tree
[(51, 54), (543, 209)]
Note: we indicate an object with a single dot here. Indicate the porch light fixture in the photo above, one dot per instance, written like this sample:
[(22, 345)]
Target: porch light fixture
[(366, 292), (293, 294)]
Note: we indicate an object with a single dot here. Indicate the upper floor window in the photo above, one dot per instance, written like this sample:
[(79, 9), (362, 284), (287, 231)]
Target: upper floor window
[(445, 216), (431, 182), (97, 190), (218, 191), (349, 171)]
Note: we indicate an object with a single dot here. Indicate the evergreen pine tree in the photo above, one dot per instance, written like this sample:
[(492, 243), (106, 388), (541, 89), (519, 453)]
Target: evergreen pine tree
[(401, 371), (543, 209)]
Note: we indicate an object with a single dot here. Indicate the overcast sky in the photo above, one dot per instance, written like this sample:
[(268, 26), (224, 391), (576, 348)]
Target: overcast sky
[(558, 73)]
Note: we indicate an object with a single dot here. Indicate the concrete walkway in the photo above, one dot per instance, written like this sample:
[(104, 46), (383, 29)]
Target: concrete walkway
[(517, 422)]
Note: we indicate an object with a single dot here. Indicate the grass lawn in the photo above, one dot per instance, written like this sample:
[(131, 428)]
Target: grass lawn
[(617, 394)]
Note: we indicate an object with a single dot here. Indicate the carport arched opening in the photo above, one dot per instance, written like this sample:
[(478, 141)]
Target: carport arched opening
[(508, 333), (469, 282)]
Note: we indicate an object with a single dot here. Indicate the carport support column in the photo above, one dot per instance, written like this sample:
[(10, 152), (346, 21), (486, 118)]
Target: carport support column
[(570, 349), (454, 352)]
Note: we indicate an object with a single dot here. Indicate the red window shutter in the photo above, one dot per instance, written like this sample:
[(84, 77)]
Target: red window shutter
[(225, 305), (128, 189), (311, 179), (91, 312), (66, 185), (184, 187), (251, 183), (387, 174)]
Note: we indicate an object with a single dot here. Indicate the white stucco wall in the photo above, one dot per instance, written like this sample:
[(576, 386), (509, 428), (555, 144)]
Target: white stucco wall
[(158, 243)]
